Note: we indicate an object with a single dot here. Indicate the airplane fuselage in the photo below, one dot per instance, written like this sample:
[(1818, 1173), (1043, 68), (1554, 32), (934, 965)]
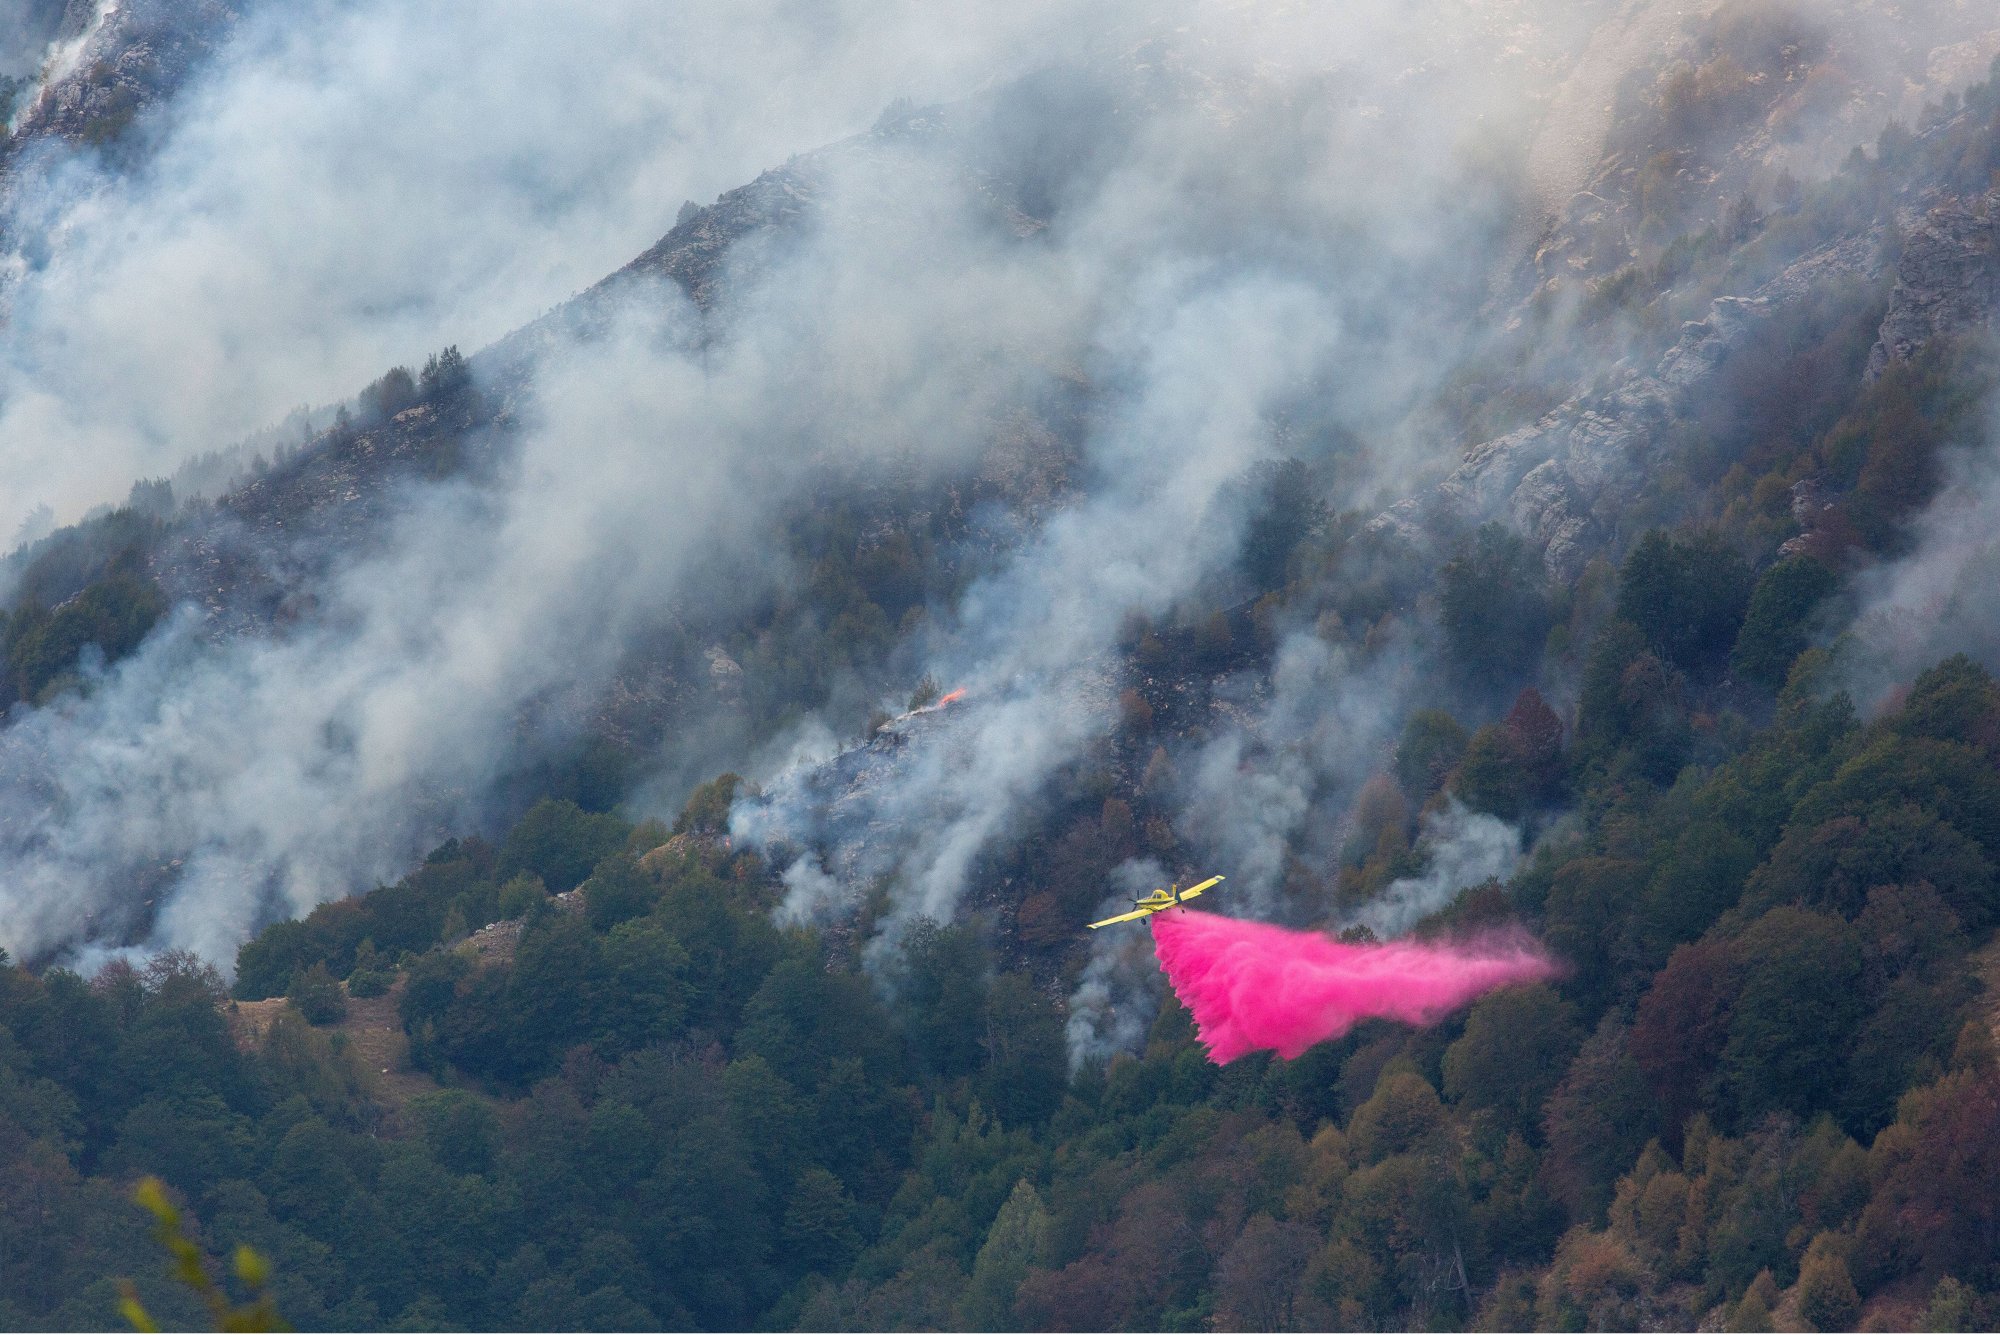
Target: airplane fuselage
[(1160, 900)]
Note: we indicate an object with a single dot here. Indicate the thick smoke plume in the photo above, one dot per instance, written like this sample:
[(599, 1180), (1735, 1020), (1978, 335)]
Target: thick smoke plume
[(1202, 238), (1254, 987), (356, 183), (1215, 339), (1119, 993)]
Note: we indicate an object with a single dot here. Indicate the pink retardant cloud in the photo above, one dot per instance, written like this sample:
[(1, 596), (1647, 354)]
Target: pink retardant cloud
[(1253, 986)]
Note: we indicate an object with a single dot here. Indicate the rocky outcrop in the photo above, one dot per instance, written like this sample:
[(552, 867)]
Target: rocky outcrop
[(1947, 281), (698, 252), (1700, 123), (1564, 481), (122, 57)]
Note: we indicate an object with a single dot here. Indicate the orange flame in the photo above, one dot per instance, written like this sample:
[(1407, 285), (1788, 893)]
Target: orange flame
[(949, 698)]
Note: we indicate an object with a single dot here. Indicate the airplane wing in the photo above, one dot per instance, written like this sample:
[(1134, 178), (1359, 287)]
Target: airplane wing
[(1194, 890), (1126, 917)]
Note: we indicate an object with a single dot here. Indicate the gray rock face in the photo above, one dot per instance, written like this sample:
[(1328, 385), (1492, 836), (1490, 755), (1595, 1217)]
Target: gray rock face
[(1564, 481), (1947, 280), (134, 54)]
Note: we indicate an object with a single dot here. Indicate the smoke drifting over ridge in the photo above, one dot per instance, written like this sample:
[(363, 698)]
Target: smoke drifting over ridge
[(1216, 329), (199, 786), (353, 185), (235, 777), (1276, 218)]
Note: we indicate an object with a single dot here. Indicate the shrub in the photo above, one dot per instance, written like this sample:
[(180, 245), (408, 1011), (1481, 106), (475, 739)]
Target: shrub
[(369, 982), (560, 842), (318, 996)]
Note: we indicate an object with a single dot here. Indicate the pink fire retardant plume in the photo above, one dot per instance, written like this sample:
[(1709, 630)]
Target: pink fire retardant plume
[(1252, 986)]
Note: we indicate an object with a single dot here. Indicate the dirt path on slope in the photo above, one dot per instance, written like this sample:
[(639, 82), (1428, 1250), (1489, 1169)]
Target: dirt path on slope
[(374, 1033)]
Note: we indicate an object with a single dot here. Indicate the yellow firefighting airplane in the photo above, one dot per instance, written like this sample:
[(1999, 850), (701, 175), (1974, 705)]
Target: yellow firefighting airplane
[(1160, 899)]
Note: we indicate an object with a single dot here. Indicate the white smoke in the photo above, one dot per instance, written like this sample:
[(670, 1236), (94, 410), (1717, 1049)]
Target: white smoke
[(812, 896), (60, 54), (1464, 848), (1275, 208), (263, 775), (1281, 783), (1209, 363), (281, 771), (1943, 597), (1119, 993), (28, 29), (1211, 316), (353, 185)]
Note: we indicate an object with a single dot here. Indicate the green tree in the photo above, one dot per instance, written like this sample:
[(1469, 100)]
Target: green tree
[(941, 982), (1950, 1307), (553, 999), (1491, 778), (1687, 596), (804, 1018), (1494, 596), (115, 613), (1827, 1297), (1596, 1122), (190, 1268), (1287, 511), (1020, 1238), (1536, 735), (1778, 624), (1428, 751), (318, 995), (819, 1230), (1632, 702), (644, 996), (560, 842), (1026, 1056), (1832, 864), (1590, 901), (1915, 973), (1955, 701), (616, 892), (266, 963), (1402, 1116), (445, 372), (1699, 879), (1794, 1018), (460, 1128), (521, 895), (197, 1141), (395, 391), (707, 809), (434, 980), (1517, 1043)]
